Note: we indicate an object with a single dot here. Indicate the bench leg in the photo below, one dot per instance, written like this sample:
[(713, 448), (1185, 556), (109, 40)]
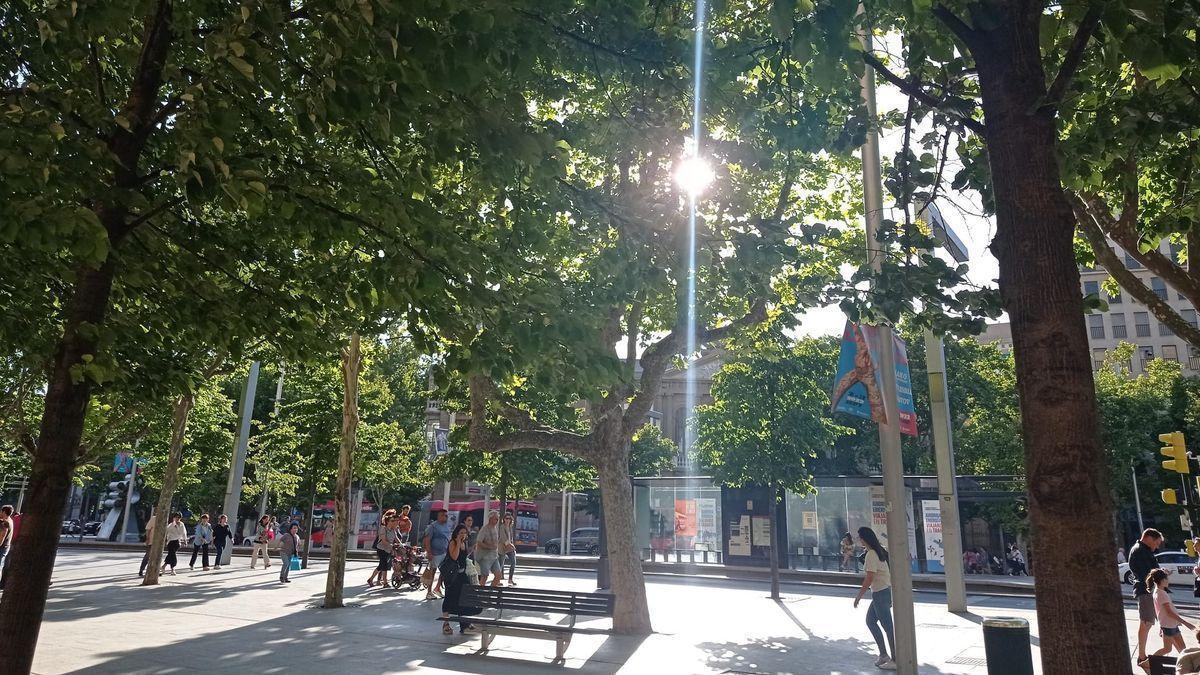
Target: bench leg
[(561, 643), (486, 638)]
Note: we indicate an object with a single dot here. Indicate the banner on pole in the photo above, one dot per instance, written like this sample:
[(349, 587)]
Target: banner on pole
[(858, 387)]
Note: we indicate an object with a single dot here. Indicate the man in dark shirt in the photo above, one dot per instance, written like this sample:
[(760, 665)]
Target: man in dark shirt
[(1141, 562)]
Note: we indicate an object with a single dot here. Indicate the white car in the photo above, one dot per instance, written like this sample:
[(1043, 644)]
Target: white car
[(1181, 566)]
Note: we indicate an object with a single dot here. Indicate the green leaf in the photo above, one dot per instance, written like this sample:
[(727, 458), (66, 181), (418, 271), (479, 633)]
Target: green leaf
[(241, 66)]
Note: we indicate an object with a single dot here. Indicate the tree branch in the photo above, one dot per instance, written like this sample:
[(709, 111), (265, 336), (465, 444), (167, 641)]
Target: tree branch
[(1070, 62), (538, 437), (916, 90), (658, 356), (956, 25), (1109, 260)]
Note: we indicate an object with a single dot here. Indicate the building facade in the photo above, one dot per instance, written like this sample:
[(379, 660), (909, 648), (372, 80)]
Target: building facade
[(1126, 320)]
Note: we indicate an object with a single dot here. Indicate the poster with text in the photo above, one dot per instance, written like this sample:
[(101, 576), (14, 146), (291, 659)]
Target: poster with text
[(905, 410), (858, 387), (935, 552)]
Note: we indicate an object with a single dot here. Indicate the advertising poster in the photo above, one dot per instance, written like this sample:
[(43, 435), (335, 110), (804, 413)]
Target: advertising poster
[(685, 518), (761, 531), (931, 517), (858, 387), (879, 520), (905, 409), (810, 520), (739, 537)]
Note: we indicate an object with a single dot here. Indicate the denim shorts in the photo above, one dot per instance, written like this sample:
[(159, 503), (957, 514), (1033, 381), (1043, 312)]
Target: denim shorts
[(1168, 632)]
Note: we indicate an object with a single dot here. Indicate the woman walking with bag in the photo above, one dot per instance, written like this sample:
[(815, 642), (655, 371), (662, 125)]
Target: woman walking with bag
[(289, 544), (175, 535), (454, 573), (201, 539), (879, 613)]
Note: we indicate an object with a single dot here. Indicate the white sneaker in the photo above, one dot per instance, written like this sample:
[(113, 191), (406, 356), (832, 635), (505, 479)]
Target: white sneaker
[(887, 664)]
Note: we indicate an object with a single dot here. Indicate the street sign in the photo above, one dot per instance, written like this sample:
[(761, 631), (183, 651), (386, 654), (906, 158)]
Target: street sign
[(121, 463), (1185, 522)]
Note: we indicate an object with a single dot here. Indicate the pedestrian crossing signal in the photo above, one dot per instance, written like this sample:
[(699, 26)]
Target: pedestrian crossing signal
[(1170, 496)]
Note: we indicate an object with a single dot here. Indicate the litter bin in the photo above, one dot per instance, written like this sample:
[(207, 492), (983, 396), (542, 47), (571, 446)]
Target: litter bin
[(1006, 646)]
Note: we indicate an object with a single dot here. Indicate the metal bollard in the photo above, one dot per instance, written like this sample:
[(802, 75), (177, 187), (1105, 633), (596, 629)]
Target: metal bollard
[(1006, 646)]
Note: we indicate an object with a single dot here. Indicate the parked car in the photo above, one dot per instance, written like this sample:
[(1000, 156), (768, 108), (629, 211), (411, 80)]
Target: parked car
[(584, 541), (1181, 566), (70, 527), (92, 528)]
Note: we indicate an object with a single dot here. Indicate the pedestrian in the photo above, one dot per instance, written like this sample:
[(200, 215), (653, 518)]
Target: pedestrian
[(262, 538), (847, 551), (175, 536), (384, 538), (1168, 617), (149, 541), (289, 544), (1016, 561), (14, 521), (201, 539), (404, 529), (1141, 563), (1188, 662), (454, 572), (879, 613), (1121, 556), (221, 537), (509, 546), (487, 550), (472, 535), (437, 544), (6, 535)]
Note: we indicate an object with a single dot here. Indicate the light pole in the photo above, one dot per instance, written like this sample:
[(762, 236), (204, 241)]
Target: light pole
[(889, 432), (237, 465)]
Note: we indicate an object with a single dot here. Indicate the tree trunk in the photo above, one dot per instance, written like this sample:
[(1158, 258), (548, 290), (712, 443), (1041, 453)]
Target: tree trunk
[(1079, 607), (774, 539), (66, 402), (632, 615), (179, 417), (335, 579)]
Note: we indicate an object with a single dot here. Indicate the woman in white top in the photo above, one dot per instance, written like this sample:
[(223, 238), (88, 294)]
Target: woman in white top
[(176, 534), (1160, 580), (879, 612)]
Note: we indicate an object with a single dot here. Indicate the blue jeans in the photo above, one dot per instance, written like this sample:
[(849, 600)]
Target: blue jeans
[(879, 613)]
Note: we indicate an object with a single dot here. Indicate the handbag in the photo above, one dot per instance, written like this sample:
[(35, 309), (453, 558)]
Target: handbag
[(472, 568)]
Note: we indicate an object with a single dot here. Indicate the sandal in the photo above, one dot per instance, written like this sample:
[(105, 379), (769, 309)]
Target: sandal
[(447, 630)]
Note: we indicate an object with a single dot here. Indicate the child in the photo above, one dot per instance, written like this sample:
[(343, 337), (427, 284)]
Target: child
[(1159, 580)]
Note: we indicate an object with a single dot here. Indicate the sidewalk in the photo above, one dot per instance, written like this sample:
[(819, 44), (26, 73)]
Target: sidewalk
[(99, 620)]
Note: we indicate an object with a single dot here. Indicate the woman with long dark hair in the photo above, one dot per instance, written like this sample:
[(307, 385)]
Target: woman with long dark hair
[(879, 613), (454, 572)]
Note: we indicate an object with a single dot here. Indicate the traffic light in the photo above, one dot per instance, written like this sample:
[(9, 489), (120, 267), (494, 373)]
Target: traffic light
[(1190, 546), (1170, 496), (1175, 450)]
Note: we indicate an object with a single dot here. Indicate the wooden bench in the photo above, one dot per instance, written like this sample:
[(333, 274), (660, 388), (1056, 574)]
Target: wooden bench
[(1162, 665), (532, 600)]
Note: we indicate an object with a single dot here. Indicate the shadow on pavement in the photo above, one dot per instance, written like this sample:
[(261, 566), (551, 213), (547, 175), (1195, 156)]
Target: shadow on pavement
[(799, 656)]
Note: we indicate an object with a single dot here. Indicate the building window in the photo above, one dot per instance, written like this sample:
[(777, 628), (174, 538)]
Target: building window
[(1091, 288), (1160, 288), (1189, 315), (1096, 324), (1171, 353), (1118, 327), (1132, 263), (1193, 358), (1141, 324), (1147, 355), (1176, 249), (1163, 329), (1115, 298), (1098, 358)]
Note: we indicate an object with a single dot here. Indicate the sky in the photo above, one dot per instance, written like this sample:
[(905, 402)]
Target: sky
[(961, 211)]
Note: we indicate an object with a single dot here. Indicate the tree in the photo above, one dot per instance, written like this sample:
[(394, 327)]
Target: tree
[(766, 423), (618, 262), (998, 74), (275, 164), (335, 579)]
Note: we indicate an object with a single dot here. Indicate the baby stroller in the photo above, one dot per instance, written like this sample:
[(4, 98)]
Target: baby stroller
[(407, 563)]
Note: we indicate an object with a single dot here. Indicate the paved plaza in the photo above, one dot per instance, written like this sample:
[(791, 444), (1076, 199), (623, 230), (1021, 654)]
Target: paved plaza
[(100, 620)]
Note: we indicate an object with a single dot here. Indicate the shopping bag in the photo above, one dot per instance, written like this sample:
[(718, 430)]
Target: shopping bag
[(295, 564)]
